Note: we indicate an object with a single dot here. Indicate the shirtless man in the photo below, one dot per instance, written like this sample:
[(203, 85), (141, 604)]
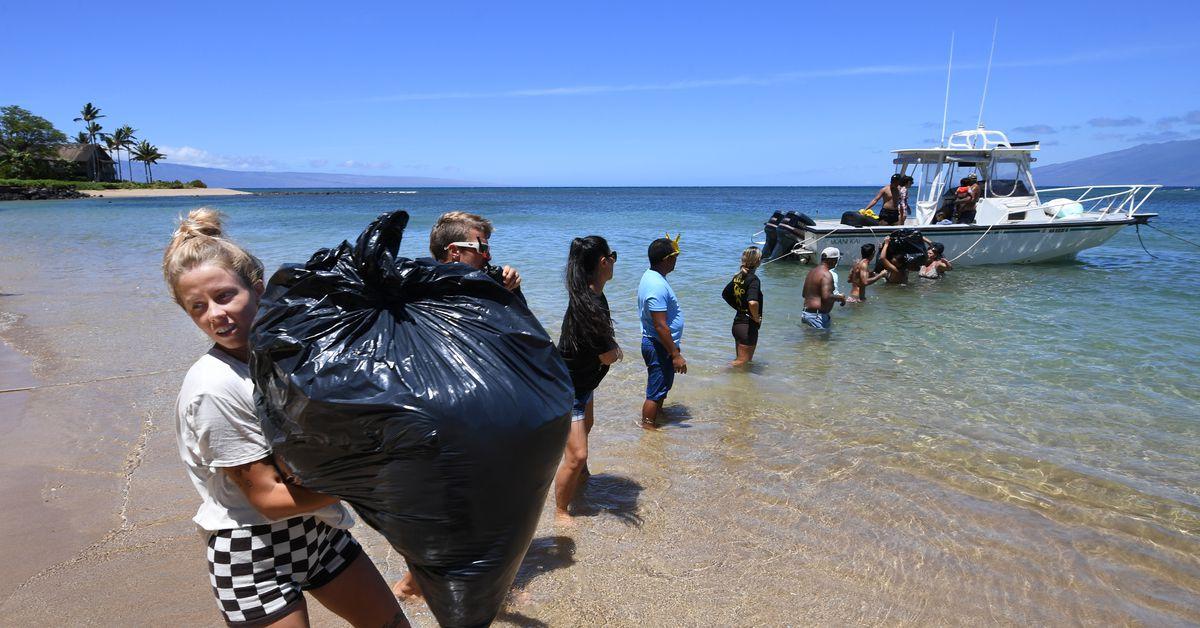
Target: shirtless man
[(861, 277), (964, 203), (819, 296), (888, 214)]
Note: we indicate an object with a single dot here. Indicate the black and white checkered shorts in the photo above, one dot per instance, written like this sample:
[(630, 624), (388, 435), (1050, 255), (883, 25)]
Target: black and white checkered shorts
[(258, 572)]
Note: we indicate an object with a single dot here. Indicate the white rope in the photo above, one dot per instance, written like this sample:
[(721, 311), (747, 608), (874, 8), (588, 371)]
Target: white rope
[(976, 242)]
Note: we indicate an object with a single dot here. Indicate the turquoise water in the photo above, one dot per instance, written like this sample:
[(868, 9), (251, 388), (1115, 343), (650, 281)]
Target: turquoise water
[(1049, 407)]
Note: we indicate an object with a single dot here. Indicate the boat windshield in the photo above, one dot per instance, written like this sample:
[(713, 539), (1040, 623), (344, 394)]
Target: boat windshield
[(1009, 176)]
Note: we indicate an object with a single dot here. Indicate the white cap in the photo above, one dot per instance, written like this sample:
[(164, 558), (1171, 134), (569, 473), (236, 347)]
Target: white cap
[(831, 252)]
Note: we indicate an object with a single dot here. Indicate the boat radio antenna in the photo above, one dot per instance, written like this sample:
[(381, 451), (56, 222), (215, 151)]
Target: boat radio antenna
[(946, 105), (988, 76)]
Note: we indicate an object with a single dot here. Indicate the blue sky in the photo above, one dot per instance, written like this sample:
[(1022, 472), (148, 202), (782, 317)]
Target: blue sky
[(560, 93)]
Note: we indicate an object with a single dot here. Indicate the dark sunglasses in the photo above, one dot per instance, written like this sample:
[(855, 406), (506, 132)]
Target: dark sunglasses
[(612, 255)]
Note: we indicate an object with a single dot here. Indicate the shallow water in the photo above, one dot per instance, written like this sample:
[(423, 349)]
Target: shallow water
[(1017, 444)]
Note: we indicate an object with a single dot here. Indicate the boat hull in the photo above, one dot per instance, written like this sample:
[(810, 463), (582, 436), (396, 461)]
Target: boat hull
[(1016, 243)]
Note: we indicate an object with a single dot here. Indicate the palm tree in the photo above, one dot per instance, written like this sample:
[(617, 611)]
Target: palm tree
[(81, 138), (113, 144), (125, 138), (88, 116), (148, 154)]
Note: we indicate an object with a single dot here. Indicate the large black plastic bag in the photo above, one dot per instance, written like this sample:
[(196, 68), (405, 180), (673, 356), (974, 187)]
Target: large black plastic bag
[(424, 394)]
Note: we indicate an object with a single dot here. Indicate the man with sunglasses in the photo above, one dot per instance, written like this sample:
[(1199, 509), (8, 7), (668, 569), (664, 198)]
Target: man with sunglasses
[(462, 237), (662, 328)]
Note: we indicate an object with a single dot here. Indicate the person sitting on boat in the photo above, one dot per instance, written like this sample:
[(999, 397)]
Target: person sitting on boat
[(965, 199), (861, 275), (936, 264), (889, 215), (819, 291)]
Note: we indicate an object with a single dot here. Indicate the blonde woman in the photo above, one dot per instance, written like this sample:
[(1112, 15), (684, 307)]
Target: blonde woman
[(744, 294), (268, 539)]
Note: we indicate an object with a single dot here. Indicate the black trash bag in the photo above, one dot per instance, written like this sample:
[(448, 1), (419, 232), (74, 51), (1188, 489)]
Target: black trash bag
[(905, 248), (425, 395), (855, 219)]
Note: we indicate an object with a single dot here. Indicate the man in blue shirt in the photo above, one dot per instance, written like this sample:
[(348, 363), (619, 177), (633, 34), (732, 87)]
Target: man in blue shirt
[(662, 328)]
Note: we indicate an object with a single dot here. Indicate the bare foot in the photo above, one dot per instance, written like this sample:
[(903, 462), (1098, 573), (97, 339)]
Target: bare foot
[(407, 588), (737, 363), (648, 425), (562, 518)]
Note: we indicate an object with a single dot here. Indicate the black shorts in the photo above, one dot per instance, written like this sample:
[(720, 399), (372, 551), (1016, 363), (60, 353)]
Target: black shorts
[(889, 216), (746, 333)]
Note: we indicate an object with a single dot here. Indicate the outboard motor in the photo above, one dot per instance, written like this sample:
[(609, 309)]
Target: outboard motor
[(771, 229), (787, 235)]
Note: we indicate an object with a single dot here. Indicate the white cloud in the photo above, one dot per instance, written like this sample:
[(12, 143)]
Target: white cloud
[(769, 79), (199, 157), (1111, 122), (354, 164)]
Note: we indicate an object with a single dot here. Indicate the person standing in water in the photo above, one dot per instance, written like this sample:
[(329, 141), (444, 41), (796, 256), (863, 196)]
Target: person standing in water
[(662, 328), (588, 345), (936, 264), (247, 505), (861, 277), (890, 193), (819, 295), (744, 294)]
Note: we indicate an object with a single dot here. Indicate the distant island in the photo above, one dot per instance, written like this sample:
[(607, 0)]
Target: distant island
[(1174, 163), (216, 177)]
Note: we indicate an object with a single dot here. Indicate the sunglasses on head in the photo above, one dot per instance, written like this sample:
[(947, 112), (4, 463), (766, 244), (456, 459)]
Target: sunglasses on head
[(478, 245)]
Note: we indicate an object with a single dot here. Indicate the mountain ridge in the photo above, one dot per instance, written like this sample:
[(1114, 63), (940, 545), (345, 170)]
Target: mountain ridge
[(1174, 163)]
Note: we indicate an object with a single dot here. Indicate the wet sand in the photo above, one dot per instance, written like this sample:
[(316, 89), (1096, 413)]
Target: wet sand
[(744, 510), (163, 193)]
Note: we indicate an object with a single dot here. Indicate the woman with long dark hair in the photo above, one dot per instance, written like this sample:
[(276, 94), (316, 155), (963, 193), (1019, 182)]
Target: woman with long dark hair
[(588, 346)]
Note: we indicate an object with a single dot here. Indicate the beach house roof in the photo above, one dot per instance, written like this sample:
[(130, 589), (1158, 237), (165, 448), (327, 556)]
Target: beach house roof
[(82, 153)]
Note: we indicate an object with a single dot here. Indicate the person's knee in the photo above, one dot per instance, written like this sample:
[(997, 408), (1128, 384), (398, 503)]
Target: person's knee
[(576, 455)]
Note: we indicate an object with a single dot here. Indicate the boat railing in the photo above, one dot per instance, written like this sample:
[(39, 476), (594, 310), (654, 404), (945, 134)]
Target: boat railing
[(1098, 201)]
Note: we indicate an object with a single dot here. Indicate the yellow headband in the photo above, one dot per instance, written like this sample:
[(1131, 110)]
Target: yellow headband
[(674, 245)]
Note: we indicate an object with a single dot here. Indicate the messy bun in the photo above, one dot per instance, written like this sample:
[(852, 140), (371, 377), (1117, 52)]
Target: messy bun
[(199, 240)]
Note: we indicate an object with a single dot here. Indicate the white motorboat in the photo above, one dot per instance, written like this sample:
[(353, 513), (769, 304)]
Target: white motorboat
[(1015, 222)]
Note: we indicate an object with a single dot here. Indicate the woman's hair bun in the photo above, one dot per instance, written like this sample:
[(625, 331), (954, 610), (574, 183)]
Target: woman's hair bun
[(202, 221)]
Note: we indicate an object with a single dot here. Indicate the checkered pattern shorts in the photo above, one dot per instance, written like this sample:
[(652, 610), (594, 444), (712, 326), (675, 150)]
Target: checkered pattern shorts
[(258, 572)]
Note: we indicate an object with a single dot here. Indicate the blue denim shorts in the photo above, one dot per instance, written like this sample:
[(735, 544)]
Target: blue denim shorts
[(816, 320), (660, 373), (579, 408)]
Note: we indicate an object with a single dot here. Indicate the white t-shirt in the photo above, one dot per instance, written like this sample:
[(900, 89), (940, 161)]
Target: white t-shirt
[(216, 428)]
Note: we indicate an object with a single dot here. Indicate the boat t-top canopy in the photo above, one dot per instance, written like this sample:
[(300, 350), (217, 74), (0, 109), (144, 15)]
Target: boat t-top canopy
[(976, 145)]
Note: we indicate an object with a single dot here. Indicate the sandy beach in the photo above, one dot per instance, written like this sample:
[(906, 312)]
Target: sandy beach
[(163, 193)]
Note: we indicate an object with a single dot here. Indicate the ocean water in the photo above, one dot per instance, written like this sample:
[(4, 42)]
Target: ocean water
[(1013, 443)]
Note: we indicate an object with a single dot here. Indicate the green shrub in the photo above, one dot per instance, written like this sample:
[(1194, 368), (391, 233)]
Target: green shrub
[(196, 183)]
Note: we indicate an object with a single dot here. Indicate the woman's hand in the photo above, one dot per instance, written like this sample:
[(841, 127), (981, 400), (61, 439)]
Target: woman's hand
[(611, 356)]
